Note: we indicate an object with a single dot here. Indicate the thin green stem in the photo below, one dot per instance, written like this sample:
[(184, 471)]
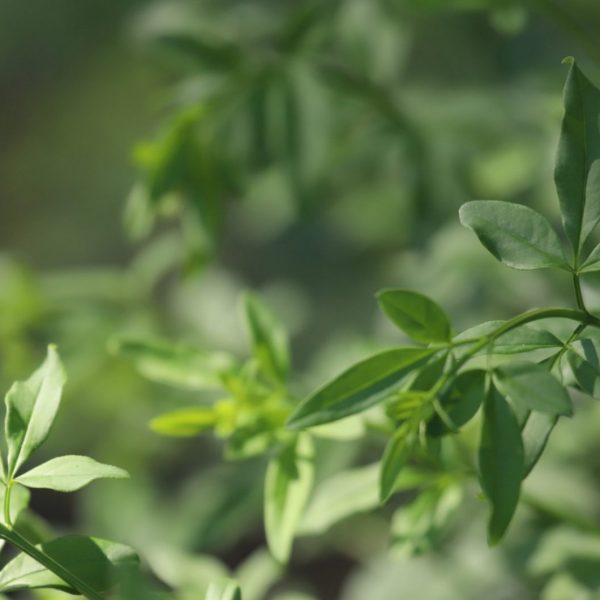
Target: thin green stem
[(7, 493), (578, 293), (15, 538)]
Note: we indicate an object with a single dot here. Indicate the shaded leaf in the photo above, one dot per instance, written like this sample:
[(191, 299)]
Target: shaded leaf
[(69, 473), (397, 452), (359, 387), (267, 337), (516, 235), (530, 386), (577, 171), (418, 316), (535, 434), (288, 484), (92, 560), (500, 463)]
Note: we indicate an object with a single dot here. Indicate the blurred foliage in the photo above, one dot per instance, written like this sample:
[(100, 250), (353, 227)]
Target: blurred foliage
[(314, 152)]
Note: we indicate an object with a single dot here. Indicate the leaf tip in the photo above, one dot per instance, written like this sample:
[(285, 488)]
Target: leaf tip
[(568, 60)]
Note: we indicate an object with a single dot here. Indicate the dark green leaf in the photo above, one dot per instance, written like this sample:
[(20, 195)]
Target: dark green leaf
[(359, 387), (93, 561), (530, 386), (30, 410), (577, 172), (461, 401), (288, 484), (268, 339), (516, 235), (535, 434), (585, 365), (397, 452), (69, 473), (500, 463), (592, 262), (418, 316)]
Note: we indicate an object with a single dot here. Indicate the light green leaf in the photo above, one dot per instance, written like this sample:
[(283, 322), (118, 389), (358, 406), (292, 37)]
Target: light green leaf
[(69, 473), (397, 452), (224, 590), (461, 401), (350, 492), (30, 410), (521, 339), (359, 387), (92, 560), (186, 422), (500, 463), (530, 386), (173, 364), (516, 235), (288, 484), (267, 337), (19, 501), (577, 171), (418, 316)]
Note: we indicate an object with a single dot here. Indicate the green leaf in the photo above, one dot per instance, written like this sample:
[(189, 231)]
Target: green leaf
[(224, 590), (500, 463), (186, 422), (592, 262), (530, 386), (524, 338), (461, 401), (92, 560), (69, 473), (173, 364), (30, 410), (418, 316), (350, 492), (19, 501), (359, 387), (267, 337), (585, 365), (516, 235), (416, 526), (535, 434), (288, 484), (577, 171), (397, 452)]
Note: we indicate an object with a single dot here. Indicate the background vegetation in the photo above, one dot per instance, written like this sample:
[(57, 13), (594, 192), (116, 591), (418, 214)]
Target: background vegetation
[(157, 159)]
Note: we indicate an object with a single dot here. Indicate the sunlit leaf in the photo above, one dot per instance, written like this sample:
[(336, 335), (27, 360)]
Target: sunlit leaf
[(359, 387), (288, 484), (30, 410), (69, 473)]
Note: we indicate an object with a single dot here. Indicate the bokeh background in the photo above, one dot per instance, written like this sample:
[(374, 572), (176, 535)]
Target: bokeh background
[(157, 158)]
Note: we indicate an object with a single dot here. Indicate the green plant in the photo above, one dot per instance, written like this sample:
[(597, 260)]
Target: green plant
[(75, 564), (423, 399)]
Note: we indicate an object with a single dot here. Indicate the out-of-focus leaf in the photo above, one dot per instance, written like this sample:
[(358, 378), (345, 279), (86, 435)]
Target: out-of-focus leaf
[(397, 452), (535, 434), (268, 339), (530, 386), (186, 422), (516, 235), (415, 314), (30, 410), (417, 525), (92, 560), (224, 590), (69, 473), (577, 172), (288, 484), (359, 387), (174, 364), (257, 574), (585, 365), (500, 463)]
